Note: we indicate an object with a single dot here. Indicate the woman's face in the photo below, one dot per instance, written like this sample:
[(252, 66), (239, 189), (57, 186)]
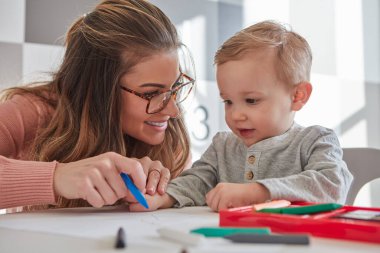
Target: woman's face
[(154, 74)]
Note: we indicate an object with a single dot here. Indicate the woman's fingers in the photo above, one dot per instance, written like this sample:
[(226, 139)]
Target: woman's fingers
[(145, 163), (164, 180), (103, 188), (93, 197), (113, 179), (153, 181), (132, 167), (88, 192), (97, 179), (130, 198), (158, 175)]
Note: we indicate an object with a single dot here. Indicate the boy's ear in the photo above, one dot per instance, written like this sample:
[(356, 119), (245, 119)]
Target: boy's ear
[(301, 94)]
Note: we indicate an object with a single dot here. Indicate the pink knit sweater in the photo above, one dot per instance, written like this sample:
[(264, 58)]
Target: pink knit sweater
[(23, 182)]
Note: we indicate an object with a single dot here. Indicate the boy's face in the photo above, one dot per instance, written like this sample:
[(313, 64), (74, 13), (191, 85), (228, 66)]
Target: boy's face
[(257, 104)]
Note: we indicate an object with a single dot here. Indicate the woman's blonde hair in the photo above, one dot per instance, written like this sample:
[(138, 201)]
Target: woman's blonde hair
[(102, 46), (293, 53)]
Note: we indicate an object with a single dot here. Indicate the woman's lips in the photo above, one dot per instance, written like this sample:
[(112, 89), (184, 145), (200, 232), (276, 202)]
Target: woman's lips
[(158, 125)]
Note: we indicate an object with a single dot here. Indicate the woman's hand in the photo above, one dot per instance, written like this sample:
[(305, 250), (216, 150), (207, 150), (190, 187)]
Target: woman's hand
[(97, 179), (158, 175), (155, 202)]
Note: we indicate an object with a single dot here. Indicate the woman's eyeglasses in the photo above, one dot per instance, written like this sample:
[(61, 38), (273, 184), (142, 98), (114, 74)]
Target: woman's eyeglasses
[(158, 101)]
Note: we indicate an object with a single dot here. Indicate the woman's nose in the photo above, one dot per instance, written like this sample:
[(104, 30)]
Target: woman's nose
[(171, 108)]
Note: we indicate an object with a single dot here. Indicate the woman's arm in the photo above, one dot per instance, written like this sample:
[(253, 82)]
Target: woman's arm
[(26, 183), (22, 182)]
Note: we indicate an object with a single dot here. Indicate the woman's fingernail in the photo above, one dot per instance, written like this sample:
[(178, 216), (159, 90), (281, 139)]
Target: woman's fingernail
[(152, 190)]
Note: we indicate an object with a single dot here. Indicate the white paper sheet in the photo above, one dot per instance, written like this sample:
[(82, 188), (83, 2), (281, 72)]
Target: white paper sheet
[(94, 230)]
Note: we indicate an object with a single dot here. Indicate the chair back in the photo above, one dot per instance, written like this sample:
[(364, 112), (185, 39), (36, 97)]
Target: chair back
[(364, 164)]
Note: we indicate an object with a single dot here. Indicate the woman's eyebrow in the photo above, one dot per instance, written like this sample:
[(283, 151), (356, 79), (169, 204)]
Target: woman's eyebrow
[(157, 85)]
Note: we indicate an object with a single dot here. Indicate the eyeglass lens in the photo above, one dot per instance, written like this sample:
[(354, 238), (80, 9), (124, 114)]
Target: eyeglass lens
[(158, 102)]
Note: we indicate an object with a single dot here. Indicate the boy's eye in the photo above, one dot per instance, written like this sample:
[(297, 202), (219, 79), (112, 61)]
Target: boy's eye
[(251, 101), (227, 102)]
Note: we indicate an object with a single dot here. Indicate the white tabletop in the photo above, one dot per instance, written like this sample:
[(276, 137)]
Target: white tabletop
[(94, 230)]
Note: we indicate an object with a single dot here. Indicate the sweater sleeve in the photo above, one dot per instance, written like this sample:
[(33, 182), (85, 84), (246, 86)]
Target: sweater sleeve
[(22, 182), (190, 188), (26, 183), (325, 176)]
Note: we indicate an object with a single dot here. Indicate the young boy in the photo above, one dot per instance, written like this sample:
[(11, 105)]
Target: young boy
[(263, 75)]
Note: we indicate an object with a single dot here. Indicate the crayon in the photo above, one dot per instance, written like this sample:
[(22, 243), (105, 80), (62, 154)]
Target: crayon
[(120, 239)]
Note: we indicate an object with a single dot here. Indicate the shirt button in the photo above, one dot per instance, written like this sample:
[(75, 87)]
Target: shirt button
[(251, 159), (249, 175)]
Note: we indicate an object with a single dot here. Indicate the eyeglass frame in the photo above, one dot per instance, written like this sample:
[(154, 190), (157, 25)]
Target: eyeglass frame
[(173, 92)]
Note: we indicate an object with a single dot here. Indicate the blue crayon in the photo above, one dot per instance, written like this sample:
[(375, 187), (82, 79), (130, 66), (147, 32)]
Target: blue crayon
[(133, 189)]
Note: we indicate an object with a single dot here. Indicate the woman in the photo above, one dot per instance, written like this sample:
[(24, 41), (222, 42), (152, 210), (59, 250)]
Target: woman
[(111, 107)]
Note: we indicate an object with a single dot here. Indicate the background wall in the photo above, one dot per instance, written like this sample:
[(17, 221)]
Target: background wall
[(344, 36)]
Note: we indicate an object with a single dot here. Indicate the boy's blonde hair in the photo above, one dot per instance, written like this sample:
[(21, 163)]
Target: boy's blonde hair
[(293, 52)]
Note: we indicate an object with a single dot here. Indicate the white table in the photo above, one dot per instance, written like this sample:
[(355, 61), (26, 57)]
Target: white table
[(94, 230)]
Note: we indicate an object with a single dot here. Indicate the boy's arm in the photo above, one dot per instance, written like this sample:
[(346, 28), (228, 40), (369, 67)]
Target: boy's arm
[(191, 187)]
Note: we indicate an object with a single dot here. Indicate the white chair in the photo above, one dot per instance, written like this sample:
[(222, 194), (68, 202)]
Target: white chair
[(364, 164)]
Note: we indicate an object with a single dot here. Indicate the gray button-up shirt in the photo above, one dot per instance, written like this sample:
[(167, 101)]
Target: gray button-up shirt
[(302, 164)]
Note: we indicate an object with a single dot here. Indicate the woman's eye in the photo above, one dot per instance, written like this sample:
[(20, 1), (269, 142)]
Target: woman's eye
[(178, 82), (251, 101), (151, 93)]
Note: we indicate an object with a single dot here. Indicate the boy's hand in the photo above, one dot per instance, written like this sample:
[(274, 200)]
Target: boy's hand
[(155, 202), (229, 195)]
